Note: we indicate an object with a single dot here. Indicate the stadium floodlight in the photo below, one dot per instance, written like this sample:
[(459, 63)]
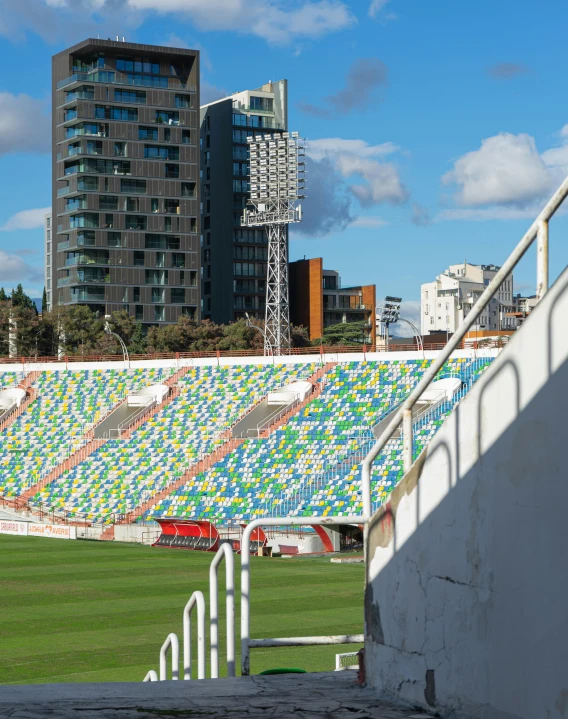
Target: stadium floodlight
[(277, 182), (388, 313)]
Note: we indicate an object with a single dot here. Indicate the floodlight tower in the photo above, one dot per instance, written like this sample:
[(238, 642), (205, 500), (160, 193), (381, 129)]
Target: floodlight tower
[(277, 182)]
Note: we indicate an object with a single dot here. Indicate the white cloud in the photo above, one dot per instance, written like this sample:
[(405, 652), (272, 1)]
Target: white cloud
[(272, 20), (376, 6), (366, 221), (210, 93), (354, 159), (26, 220), (24, 124), (507, 169), (498, 212), (13, 270)]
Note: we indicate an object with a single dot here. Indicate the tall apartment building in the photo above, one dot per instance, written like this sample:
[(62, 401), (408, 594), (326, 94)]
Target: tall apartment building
[(234, 258), (48, 258), (317, 300), (446, 301), (126, 179)]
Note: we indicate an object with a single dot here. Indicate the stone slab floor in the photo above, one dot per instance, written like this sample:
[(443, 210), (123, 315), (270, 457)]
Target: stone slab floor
[(310, 696)]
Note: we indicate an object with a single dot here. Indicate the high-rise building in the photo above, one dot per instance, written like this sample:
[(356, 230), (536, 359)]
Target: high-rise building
[(48, 258), (126, 179), (318, 301), (234, 258), (446, 301)]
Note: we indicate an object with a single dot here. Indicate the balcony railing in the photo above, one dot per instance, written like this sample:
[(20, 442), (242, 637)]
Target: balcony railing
[(112, 77)]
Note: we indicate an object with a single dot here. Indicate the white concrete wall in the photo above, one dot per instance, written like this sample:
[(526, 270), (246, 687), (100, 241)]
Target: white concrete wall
[(467, 578)]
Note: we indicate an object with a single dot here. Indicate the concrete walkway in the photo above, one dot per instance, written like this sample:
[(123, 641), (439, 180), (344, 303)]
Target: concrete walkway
[(310, 696)]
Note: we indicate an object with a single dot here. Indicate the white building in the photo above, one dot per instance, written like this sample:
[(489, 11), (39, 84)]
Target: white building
[(48, 257), (446, 301)]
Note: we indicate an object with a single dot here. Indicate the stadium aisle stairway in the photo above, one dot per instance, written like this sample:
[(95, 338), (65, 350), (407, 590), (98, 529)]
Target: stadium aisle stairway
[(249, 481), (68, 402), (123, 474)]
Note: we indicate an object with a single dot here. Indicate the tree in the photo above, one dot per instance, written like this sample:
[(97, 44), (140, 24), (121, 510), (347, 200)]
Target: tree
[(20, 299), (77, 330), (3, 295), (299, 336), (344, 333), (44, 301), (239, 336), (137, 345)]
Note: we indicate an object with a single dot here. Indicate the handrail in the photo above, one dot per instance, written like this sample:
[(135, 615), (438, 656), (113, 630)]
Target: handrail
[(225, 552), (151, 676), (538, 229), (196, 600), (277, 414), (246, 642), (173, 642)]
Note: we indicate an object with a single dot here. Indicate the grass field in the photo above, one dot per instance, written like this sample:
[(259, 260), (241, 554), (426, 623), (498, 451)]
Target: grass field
[(99, 611)]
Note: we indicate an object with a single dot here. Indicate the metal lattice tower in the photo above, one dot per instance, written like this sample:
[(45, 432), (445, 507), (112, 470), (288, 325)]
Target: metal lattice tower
[(277, 163)]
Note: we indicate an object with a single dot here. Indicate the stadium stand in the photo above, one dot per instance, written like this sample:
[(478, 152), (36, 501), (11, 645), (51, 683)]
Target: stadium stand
[(252, 480), (67, 405), (123, 474)]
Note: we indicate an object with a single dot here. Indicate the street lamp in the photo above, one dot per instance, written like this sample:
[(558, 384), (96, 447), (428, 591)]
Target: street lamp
[(256, 327), (119, 338)]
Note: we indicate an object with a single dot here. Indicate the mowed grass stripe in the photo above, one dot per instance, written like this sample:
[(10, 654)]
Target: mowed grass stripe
[(94, 611)]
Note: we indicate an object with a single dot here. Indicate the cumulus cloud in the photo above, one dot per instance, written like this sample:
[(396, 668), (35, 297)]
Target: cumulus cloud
[(24, 124), (506, 169), (327, 208), (507, 70), (373, 180), (363, 79), (275, 21), (13, 270), (26, 220)]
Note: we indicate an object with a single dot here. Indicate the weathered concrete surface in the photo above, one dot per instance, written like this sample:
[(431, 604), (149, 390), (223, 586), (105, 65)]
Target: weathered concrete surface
[(467, 577), (331, 695)]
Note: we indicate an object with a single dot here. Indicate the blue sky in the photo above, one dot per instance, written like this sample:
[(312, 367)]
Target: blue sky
[(436, 129)]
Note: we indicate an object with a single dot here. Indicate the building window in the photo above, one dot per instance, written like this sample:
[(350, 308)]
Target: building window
[(148, 133), (156, 277), (132, 204), (171, 172), (186, 137), (188, 189), (178, 260), (138, 258), (123, 114), (157, 294), (265, 104), (108, 202), (114, 239), (136, 294), (135, 222), (157, 152), (139, 313), (188, 312), (166, 117), (183, 101), (120, 149), (178, 295), (137, 64), (135, 96)]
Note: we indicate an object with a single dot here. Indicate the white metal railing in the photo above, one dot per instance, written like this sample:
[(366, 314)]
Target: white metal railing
[(225, 552), (196, 600), (173, 644), (539, 231)]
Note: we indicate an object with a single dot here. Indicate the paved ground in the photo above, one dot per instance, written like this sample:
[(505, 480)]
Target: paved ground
[(309, 696)]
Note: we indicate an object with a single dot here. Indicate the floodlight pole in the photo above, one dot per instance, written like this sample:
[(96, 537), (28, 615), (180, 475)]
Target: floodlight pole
[(277, 322)]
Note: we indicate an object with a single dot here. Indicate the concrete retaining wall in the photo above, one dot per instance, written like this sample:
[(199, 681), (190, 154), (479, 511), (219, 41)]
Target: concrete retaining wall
[(467, 575)]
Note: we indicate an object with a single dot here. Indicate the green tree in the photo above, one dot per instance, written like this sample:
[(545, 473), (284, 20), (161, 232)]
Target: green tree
[(299, 336), (20, 299), (137, 345), (344, 333), (3, 295), (77, 330), (44, 301)]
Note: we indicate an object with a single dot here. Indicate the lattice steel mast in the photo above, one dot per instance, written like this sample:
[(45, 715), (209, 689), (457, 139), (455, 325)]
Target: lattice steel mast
[(277, 181)]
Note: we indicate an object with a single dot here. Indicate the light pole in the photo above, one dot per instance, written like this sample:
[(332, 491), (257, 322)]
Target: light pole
[(119, 338), (256, 327)]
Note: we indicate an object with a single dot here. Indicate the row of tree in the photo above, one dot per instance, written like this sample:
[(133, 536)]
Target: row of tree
[(76, 330)]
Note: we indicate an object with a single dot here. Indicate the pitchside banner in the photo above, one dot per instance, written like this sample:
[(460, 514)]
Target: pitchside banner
[(27, 529)]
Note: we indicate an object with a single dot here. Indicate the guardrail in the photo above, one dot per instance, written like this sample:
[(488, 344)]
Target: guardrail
[(539, 231)]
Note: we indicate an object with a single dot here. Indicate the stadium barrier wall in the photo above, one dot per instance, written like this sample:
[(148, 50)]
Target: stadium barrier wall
[(30, 529), (465, 609)]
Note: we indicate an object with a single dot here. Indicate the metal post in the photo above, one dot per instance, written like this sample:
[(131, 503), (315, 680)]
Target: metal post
[(197, 599), (245, 560), (407, 440), (171, 641), (277, 321), (226, 552), (542, 260)]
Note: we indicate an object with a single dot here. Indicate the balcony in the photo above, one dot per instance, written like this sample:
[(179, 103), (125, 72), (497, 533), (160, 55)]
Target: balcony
[(112, 77)]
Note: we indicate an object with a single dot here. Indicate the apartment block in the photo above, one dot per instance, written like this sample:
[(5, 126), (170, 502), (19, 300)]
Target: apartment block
[(48, 258), (317, 300), (446, 301), (234, 258), (126, 219)]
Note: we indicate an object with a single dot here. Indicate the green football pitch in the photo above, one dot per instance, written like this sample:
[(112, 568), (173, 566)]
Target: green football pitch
[(85, 611)]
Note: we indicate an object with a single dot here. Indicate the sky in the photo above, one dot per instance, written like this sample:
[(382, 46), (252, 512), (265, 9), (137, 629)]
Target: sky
[(436, 130)]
